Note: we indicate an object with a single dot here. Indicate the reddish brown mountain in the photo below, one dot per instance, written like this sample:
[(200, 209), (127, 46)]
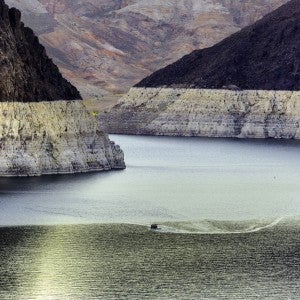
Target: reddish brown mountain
[(102, 45)]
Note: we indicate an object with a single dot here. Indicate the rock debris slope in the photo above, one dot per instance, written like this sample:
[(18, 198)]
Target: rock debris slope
[(44, 127), (186, 98), (108, 46)]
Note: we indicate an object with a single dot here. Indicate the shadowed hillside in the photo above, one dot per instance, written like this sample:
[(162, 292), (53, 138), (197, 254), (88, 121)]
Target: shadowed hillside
[(265, 55), (27, 74)]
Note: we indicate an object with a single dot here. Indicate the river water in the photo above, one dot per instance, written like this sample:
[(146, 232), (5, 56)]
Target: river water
[(228, 212)]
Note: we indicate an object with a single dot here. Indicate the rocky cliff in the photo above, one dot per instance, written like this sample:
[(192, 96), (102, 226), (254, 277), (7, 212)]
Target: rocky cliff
[(210, 113), (107, 46), (57, 137), (263, 56), (39, 132)]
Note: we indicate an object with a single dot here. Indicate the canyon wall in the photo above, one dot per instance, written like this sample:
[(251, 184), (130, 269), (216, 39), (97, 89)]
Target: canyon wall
[(263, 56), (209, 113)]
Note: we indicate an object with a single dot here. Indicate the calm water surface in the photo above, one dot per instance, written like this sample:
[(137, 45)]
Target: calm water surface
[(167, 179), (228, 212)]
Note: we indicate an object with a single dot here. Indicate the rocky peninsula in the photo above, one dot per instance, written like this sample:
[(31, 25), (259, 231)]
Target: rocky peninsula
[(44, 126), (246, 86)]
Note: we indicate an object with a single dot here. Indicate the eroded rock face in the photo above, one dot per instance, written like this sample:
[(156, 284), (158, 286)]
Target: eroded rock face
[(58, 137), (209, 113), (27, 74), (108, 46)]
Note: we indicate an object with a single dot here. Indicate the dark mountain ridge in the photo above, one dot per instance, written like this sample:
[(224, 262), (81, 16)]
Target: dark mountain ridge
[(26, 72), (264, 56)]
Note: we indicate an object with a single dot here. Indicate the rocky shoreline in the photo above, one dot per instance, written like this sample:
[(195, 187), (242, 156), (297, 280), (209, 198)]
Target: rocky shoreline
[(206, 113), (57, 137)]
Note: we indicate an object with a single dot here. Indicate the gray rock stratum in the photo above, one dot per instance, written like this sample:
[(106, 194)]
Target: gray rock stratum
[(108, 46), (51, 137), (210, 113)]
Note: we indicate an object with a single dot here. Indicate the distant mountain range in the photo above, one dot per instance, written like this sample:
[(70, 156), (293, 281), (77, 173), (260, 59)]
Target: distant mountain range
[(263, 56), (107, 46)]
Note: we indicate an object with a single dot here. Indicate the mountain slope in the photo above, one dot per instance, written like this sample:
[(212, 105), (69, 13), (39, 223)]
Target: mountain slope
[(27, 74), (110, 45), (264, 56)]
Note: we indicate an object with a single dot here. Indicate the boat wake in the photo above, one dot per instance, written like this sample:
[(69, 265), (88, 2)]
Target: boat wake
[(219, 227)]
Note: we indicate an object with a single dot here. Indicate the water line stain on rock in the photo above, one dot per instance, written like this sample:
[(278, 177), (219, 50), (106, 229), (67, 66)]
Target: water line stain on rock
[(44, 129), (209, 113), (246, 86)]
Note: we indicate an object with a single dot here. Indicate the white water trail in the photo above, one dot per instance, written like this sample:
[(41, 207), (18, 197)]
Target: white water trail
[(252, 229), (273, 224)]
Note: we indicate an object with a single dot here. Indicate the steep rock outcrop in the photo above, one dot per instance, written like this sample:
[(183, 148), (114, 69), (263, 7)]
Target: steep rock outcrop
[(57, 137), (107, 46), (27, 74), (264, 56), (210, 113)]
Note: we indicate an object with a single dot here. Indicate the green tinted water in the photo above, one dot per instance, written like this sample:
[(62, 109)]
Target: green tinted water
[(131, 262), (225, 209)]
